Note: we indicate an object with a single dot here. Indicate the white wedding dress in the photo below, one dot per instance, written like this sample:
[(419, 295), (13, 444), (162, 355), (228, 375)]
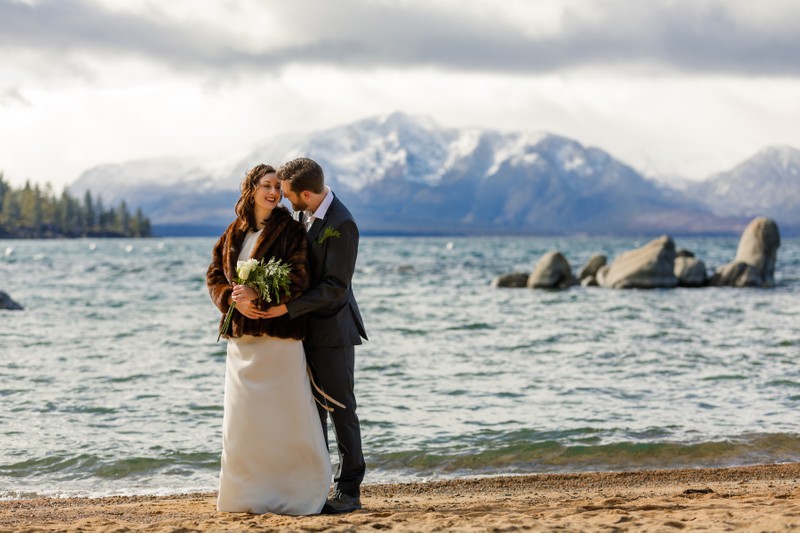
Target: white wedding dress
[(274, 457)]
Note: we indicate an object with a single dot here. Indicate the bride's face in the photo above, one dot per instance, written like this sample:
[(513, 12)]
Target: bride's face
[(268, 193)]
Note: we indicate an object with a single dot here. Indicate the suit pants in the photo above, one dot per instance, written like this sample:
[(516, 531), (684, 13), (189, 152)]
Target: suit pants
[(333, 370)]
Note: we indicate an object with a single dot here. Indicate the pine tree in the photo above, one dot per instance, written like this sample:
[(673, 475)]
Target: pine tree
[(34, 211)]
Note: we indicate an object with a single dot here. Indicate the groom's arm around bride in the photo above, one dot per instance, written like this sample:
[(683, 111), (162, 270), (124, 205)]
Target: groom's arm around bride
[(334, 320)]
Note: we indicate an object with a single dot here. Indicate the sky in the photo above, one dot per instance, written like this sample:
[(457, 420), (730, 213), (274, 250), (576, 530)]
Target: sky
[(679, 89)]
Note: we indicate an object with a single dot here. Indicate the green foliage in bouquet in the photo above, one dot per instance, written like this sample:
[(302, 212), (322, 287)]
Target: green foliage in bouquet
[(270, 280)]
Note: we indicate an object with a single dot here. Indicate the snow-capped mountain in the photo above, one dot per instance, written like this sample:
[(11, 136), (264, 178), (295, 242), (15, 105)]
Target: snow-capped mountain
[(766, 184), (170, 191), (404, 174)]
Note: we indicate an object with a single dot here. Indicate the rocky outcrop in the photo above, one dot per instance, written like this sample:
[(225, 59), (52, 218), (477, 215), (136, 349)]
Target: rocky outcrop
[(648, 267), (552, 271), (7, 303), (736, 274), (754, 264), (588, 274), (759, 247), (513, 280), (602, 272), (691, 272), (657, 264)]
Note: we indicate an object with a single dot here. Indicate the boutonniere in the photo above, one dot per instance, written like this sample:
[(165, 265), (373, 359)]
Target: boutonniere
[(327, 233)]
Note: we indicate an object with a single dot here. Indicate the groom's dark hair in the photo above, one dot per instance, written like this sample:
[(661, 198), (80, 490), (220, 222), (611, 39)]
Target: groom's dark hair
[(303, 174)]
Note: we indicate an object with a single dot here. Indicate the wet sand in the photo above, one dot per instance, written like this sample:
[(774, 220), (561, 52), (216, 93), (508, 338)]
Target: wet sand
[(754, 498)]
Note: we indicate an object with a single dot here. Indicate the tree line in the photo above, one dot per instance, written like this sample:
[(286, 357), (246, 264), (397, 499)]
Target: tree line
[(37, 212)]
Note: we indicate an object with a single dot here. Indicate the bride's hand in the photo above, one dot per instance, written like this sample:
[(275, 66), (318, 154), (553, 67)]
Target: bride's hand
[(243, 293)]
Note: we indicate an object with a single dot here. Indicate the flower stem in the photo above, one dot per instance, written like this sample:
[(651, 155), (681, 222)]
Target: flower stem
[(227, 322)]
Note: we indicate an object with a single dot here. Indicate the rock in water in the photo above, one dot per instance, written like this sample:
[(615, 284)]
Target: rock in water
[(736, 274), (513, 280), (759, 247), (7, 303), (552, 272), (754, 265), (592, 266), (649, 267), (690, 272)]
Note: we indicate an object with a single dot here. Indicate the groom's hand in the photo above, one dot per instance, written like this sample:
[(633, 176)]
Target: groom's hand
[(249, 309), (275, 312)]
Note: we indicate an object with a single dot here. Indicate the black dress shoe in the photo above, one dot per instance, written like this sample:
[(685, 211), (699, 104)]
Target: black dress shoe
[(341, 503)]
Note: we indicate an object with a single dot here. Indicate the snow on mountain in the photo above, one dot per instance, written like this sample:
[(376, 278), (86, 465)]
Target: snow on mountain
[(405, 174), (359, 154), (766, 184), (116, 182)]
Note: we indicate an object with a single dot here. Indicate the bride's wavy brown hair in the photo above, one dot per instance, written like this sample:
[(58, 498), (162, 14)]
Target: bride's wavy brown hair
[(246, 205)]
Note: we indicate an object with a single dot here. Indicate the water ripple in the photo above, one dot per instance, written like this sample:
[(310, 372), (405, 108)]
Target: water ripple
[(118, 385)]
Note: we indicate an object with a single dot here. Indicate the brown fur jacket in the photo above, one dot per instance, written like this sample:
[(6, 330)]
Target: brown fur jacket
[(282, 238)]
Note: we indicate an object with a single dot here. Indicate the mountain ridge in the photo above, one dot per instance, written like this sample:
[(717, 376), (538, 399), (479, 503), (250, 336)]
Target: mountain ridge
[(404, 174)]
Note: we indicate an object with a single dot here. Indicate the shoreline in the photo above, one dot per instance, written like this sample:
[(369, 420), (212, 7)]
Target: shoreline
[(761, 497)]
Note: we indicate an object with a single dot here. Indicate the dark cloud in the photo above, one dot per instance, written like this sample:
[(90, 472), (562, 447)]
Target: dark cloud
[(699, 37)]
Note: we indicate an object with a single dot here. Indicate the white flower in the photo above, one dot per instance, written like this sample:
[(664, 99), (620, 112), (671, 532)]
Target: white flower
[(243, 268)]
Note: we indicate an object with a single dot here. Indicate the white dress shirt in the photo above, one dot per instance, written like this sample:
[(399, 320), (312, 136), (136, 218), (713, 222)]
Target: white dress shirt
[(321, 211)]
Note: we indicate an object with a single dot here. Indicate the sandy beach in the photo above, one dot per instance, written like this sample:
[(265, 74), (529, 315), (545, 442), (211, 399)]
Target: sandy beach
[(753, 498)]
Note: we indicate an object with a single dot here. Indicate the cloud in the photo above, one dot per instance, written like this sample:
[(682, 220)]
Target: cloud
[(12, 96), (734, 37)]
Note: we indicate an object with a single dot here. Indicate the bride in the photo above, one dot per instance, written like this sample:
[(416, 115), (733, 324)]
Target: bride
[(274, 456)]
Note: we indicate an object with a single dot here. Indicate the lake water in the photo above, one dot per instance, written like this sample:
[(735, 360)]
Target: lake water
[(111, 379)]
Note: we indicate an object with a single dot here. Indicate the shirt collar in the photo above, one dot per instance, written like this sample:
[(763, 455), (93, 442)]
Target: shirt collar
[(322, 210)]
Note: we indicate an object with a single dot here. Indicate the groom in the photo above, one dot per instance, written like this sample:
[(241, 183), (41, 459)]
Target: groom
[(334, 321)]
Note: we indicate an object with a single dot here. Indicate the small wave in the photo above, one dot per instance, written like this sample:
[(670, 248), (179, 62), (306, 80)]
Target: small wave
[(214, 408), (724, 377), (92, 410), (9, 392), (555, 456), (784, 383), (85, 466), (471, 327), (125, 379)]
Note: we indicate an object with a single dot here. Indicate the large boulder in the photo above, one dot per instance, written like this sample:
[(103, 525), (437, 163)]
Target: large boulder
[(552, 271), (758, 249), (513, 280), (648, 267), (736, 274), (591, 267), (691, 272), (7, 303), (600, 277)]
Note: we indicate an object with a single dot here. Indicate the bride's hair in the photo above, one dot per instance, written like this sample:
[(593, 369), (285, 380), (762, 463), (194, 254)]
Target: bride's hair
[(246, 205)]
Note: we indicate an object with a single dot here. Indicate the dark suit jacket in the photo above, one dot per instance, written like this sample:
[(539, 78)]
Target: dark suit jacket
[(333, 316)]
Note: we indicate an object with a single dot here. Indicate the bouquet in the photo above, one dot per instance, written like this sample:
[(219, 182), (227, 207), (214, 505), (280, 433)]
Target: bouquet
[(269, 279)]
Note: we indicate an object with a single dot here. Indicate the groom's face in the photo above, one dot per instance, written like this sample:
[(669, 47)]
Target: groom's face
[(298, 204)]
